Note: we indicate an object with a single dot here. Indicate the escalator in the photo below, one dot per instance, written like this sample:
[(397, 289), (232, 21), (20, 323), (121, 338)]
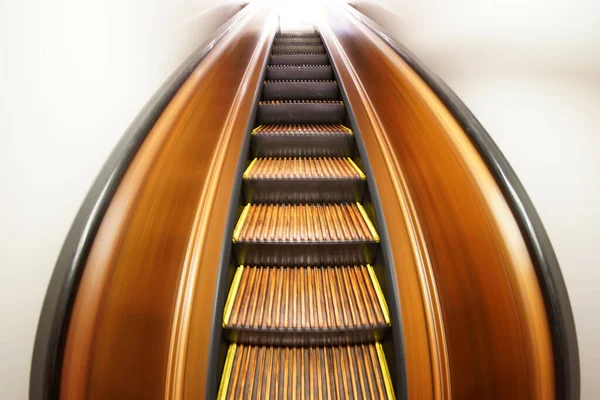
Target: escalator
[(305, 214), (305, 314)]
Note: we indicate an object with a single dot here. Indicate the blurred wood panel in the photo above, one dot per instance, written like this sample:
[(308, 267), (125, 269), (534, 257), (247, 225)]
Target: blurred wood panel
[(473, 317), (137, 329)]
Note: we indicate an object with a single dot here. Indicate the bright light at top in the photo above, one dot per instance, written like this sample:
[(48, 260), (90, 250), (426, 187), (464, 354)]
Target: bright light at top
[(297, 14)]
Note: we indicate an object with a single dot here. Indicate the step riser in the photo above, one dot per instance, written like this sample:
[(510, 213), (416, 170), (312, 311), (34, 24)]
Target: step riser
[(298, 339), (300, 114), (295, 255), (299, 59), (298, 72), (302, 146), (297, 48), (300, 91), (300, 41), (308, 191)]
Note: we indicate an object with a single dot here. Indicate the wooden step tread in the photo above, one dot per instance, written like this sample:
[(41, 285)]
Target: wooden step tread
[(323, 168), (342, 372), (298, 130), (298, 81), (303, 66), (285, 102), (305, 299), (304, 224)]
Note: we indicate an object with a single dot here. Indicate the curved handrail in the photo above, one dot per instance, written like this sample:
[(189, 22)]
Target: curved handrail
[(556, 298), (58, 302)]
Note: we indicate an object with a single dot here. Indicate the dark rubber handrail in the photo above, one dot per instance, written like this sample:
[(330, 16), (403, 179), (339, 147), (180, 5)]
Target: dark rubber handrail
[(556, 298)]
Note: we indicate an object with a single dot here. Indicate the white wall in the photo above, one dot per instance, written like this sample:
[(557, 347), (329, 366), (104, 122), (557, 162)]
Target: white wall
[(73, 74), (530, 72)]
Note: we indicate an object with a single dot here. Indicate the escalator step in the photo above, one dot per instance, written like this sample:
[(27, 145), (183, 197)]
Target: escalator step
[(305, 306), (302, 130), (305, 224), (302, 40), (298, 34), (301, 140), (303, 168), (301, 112), (338, 372), (288, 72), (294, 48), (299, 59), (300, 90), (303, 179)]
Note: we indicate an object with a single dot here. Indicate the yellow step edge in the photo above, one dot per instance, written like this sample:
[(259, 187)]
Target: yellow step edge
[(231, 296), (240, 224), (358, 170), (247, 171), (389, 388), (226, 372), (348, 129), (368, 222), (379, 292), (256, 129)]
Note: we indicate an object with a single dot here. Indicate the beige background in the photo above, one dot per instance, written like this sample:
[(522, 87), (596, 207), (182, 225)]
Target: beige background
[(73, 75)]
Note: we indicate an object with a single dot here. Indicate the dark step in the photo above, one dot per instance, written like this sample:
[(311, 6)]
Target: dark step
[(300, 40), (303, 179), (305, 306), (297, 34), (299, 59), (289, 72), (302, 140), (300, 90), (336, 372), (297, 48), (304, 234), (300, 112)]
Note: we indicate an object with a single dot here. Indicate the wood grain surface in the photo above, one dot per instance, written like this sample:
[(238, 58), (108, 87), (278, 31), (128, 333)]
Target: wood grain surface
[(473, 318), (307, 298), (331, 372), (141, 323)]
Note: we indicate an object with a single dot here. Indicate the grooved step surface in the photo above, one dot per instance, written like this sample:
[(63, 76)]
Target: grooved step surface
[(298, 48), (300, 90), (301, 112), (299, 59), (337, 372), (304, 223), (296, 44), (303, 168), (286, 102), (321, 72), (298, 34), (298, 81), (307, 299), (300, 40), (301, 140), (301, 130)]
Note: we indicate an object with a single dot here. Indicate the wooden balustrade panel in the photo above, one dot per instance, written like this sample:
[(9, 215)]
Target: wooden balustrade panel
[(159, 244), (473, 316)]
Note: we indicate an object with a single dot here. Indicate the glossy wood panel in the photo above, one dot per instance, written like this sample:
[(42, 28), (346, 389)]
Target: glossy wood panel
[(473, 317), (138, 330)]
